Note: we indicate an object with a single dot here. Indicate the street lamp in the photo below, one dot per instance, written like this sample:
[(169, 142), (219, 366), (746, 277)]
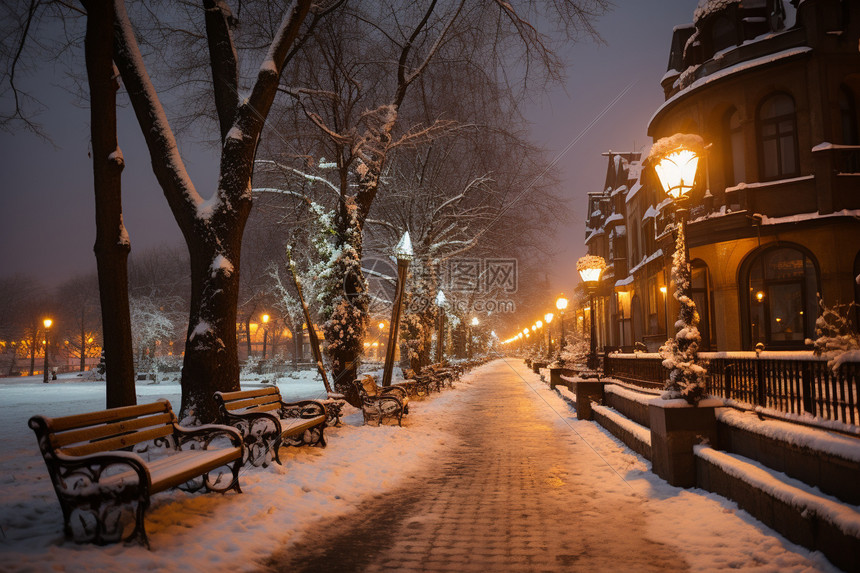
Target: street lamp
[(590, 267), (473, 322), (675, 161), (404, 254), (440, 336), (47, 322), (663, 290), (265, 319), (561, 304), (548, 318)]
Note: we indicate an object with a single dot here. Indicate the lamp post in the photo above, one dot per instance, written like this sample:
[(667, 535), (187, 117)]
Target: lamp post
[(440, 335), (561, 304), (47, 323), (589, 268), (404, 254), (676, 159), (548, 319), (265, 319), (663, 291), (473, 322), (539, 325)]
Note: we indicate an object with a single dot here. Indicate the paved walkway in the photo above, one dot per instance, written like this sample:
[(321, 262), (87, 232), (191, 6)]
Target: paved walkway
[(517, 493)]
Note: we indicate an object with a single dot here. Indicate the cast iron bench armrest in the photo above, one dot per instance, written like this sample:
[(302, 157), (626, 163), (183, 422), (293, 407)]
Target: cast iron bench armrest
[(265, 422)]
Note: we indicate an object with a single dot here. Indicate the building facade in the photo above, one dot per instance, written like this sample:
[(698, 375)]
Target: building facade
[(772, 87)]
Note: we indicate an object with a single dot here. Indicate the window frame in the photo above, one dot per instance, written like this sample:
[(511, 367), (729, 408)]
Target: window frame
[(777, 123)]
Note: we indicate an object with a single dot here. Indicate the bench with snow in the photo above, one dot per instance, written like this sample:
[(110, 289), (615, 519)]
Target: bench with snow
[(381, 403), (105, 465), (267, 423)]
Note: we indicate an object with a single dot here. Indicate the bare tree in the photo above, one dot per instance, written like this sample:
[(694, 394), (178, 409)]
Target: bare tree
[(212, 227), (80, 317), (352, 112)]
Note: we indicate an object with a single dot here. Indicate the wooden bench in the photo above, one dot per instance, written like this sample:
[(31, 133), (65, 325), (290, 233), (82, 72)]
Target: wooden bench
[(267, 423), (381, 404), (101, 463)]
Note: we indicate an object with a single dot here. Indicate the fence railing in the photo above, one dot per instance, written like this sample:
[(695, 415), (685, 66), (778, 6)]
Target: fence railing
[(790, 382)]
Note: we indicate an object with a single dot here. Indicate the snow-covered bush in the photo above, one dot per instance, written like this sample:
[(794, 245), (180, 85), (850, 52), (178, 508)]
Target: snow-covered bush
[(250, 367), (835, 333), (574, 353)]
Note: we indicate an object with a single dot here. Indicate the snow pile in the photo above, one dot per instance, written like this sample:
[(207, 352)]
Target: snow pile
[(641, 433), (834, 444), (790, 491)]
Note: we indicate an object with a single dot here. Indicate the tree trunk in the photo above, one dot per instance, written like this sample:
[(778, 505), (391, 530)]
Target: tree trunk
[(248, 334), (112, 245), (211, 361), (83, 361), (33, 351)]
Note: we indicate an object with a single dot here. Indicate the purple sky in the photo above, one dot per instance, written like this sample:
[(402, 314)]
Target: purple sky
[(46, 200)]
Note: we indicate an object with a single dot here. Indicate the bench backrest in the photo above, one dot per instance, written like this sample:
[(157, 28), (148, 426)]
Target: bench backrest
[(368, 385), (259, 400), (105, 430)]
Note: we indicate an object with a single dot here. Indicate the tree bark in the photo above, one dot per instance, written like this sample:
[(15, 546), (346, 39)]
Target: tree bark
[(112, 245)]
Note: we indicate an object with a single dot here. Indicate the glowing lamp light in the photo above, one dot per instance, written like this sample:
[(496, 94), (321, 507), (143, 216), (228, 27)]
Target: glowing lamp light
[(561, 303), (663, 289), (548, 317), (759, 296), (534, 327), (474, 321), (525, 331), (539, 324), (381, 325), (590, 267), (47, 322), (403, 251), (677, 172), (266, 318)]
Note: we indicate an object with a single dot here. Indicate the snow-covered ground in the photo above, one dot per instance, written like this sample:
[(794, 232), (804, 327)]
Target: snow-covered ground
[(206, 532)]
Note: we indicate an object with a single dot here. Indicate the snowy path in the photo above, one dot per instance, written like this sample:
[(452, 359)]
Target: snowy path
[(519, 490), (497, 473)]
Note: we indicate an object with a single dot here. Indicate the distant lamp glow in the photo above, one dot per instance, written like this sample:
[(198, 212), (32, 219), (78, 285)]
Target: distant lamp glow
[(381, 326), (539, 324), (526, 331), (677, 172), (561, 303), (663, 289), (47, 322), (266, 318), (474, 321), (548, 317), (759, 296)]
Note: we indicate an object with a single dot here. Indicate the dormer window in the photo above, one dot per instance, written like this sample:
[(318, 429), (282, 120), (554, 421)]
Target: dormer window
[(723, 33)]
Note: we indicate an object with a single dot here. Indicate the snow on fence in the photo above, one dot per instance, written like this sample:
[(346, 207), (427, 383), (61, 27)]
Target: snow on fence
[(790, 382)]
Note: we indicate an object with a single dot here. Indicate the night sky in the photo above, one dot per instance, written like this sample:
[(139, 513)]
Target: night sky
[(46, 201)]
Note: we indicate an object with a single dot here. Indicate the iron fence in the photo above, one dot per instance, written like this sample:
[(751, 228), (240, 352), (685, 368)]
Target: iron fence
[(794, 383)]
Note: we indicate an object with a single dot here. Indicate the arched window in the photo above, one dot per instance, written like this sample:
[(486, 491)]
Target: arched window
[(733, 148), (778, 138), (703, 295), (781, 285), (848, 117)]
